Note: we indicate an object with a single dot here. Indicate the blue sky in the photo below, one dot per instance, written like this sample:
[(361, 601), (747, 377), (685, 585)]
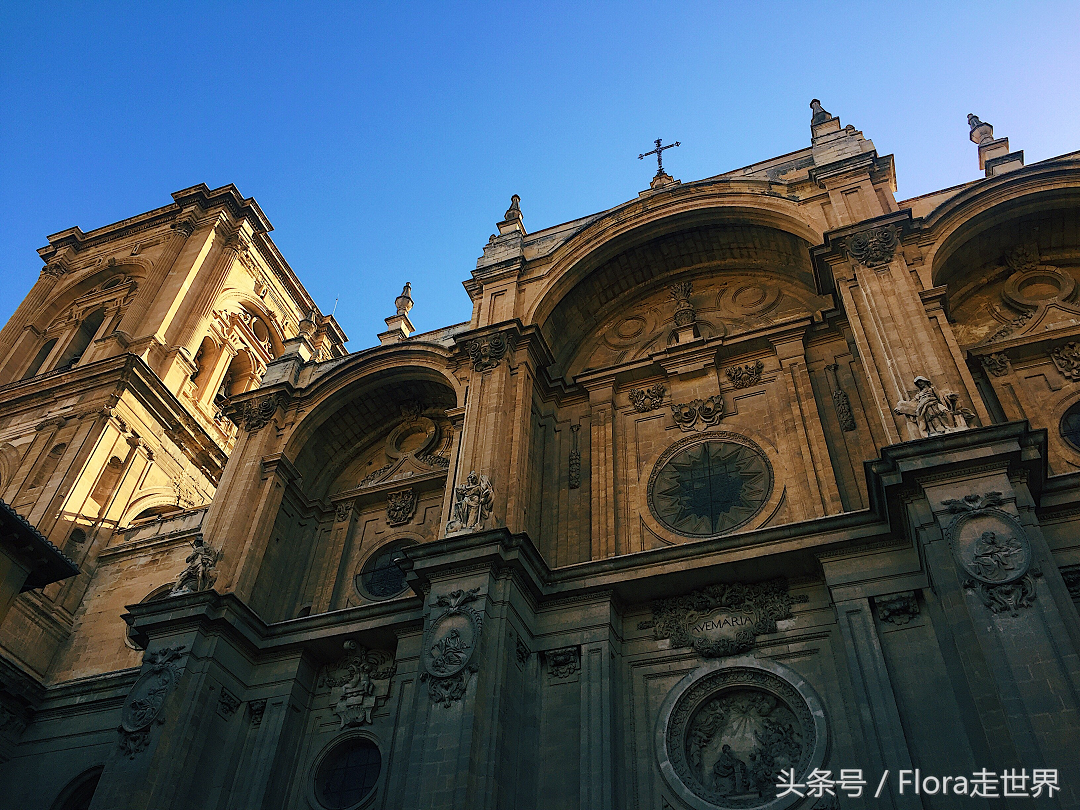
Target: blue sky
[(383, 140)]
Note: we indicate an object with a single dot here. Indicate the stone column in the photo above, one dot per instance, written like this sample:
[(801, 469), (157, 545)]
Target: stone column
[(190, 334), (597, 726), (13, 331), (602, 469)]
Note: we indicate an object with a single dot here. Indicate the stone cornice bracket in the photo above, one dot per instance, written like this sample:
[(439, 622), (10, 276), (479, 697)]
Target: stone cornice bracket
[(846, 247), (487, 350)]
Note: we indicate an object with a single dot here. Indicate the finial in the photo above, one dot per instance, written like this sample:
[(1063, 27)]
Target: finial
[(514, 211), (308, 324), (820, 113), (981, 132), (404, 301)]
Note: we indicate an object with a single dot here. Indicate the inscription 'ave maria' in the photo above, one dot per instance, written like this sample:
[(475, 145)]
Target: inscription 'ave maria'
[(713, 625)]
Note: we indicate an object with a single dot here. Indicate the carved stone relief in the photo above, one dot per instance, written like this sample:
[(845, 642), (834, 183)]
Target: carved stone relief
[(992, 548), (933, 414), (563, 663), (473, 502), (874, 247), (746, 375), (897, 608), (400, 507), (699, 414), (258, 413), (647, 399), (996, 364), (684, 310), (486, 352), (143, 705), (257, 708), (450, 646), (725, 733), (1067, 360), (724, 619), (360, 681), (228, 703)]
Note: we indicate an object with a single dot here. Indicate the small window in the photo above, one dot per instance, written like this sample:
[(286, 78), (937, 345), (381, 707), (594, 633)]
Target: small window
[(79, 792), (40, 358), (348, 773), (380, 578), (1070, 426)]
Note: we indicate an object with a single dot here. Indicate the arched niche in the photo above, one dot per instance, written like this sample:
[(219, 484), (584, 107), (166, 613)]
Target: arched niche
[(744, 275), (1012, 267)]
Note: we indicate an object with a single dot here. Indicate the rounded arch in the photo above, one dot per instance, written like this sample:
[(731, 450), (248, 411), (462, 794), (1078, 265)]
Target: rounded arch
[(9, 463), (79, 792), (257, 308), (135, 269), (985, 206), (640, 221), (159, 500)]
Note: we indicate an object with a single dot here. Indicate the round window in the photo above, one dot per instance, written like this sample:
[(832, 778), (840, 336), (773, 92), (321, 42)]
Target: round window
[(348, 773), (708, 485), (1070, 426), (380, 578)]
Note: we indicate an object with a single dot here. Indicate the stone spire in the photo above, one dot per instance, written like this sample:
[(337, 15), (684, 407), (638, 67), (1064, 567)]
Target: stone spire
[(512, 218), (398, 325), (822, 122), (994, 155)]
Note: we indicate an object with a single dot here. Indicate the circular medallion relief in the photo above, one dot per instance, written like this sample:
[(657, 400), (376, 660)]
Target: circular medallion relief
[(709, 484), (727, 730)]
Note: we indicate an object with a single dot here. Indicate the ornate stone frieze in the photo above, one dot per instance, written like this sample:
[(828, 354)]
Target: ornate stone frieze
[(841, 402), (200, 573), (996, 364), (874, 247), (934, 414), (699, 414), (450, 646), (473, 502), (897, 608), (343, 511), (359, 681), (521, 650), (1071, 577), (724, 619), (563, 663), (143, 705), (434, 460), (992, 549), (400, 507), (1067, 360), (486, 352), (746, 375), (684, 310), (375, 475), (647, 399), (258, 413), (411, 410), (575, 458), (257, 708), (1022, 258), (726, 733), (1006, 330)]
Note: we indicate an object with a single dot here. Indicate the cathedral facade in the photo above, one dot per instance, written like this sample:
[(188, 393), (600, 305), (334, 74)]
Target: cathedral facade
[(755, 492)]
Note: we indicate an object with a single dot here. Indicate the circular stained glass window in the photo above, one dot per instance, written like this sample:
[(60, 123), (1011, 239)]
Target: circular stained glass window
[(380, 578), (348, 773), (1070, 426), (709, 485)]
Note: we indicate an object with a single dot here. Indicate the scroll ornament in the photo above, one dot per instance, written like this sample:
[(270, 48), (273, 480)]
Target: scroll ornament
[(874, 247), (698, 413), (486, 352), (746, 375), (647, 399), (450, 646)]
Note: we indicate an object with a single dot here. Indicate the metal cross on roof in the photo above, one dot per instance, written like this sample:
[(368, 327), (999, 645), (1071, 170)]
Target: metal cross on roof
[(659, 156)]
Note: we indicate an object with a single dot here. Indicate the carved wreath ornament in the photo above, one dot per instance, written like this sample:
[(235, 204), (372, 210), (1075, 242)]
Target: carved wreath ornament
[(450, 646), (992, 548), (724, 619), (486, 352), (874, 247), (142, 707)]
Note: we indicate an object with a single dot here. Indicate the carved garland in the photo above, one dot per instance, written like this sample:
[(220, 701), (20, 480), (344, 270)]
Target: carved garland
[(486, 352), (400, 507), (997, 363), (1067, 360), (647, 399), (564, 662), (707, 411), (360, 682)]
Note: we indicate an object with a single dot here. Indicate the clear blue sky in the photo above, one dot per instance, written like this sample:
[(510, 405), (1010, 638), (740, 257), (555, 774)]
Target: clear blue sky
[(383, 140)]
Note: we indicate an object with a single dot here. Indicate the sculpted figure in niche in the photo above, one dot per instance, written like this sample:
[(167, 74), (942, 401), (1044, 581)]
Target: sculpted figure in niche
[(933, 414), (199, 574), (473, 502)]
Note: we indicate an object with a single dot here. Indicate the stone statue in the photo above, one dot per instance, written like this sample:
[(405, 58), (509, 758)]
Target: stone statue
[(729, 773), (473, 502), (199, 574), (934, 414)]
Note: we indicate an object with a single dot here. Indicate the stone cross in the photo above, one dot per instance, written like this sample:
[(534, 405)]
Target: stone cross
[(658, 151)]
